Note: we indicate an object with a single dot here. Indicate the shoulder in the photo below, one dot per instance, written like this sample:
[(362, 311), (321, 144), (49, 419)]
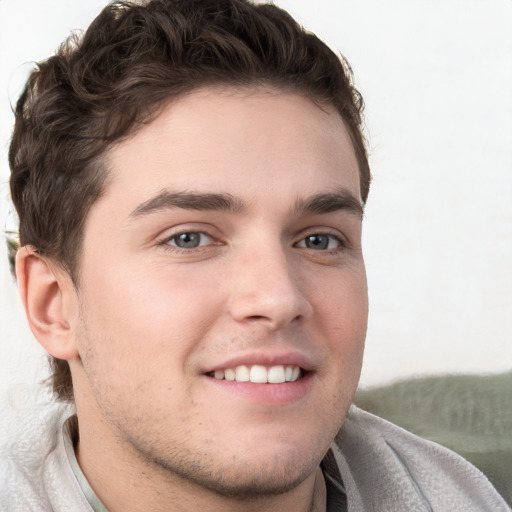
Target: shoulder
[(384, 467), (34, 471)]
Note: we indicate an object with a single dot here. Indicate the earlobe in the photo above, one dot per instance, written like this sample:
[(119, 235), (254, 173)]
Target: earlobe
[(43, 291)]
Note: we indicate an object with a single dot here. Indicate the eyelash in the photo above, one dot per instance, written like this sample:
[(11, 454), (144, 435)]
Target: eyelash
[(330, 238), (341, 243), (166, 242)]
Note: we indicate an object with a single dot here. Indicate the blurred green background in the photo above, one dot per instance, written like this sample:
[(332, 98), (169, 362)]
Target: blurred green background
[(470, 414)]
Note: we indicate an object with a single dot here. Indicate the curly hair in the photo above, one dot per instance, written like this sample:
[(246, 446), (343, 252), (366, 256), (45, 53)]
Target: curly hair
[(135, 56)]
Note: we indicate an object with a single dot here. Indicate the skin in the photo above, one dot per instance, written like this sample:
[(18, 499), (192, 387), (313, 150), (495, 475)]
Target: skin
[(150, 318)]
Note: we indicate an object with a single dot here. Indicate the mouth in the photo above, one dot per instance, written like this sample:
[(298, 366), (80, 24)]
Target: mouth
[(259, 374)]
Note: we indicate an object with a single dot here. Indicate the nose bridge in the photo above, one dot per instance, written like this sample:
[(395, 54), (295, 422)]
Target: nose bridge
[(267, 286)]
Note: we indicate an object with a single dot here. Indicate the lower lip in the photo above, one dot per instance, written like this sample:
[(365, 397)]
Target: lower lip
[(266, 394)]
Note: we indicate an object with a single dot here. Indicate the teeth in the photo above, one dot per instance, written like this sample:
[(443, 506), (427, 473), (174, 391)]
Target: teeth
[(242, 373), (276, 374), (259, 374)]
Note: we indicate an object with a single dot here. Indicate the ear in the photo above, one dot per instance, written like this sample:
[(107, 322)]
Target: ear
[(47, 294)]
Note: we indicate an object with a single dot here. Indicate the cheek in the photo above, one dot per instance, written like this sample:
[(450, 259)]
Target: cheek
[(344, 308), (153, 309), (342, 315)]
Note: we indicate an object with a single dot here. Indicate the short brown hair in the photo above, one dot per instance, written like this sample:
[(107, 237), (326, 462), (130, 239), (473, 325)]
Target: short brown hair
[(101, 87)]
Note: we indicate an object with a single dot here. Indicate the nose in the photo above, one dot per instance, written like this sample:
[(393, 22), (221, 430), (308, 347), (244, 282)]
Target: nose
[(268, 289)]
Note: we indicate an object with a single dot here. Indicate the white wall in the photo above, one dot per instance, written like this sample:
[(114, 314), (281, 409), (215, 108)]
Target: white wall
[(437, 79)]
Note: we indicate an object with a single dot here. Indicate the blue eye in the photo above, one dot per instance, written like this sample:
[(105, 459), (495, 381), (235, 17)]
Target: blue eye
[(189, 240), (320, 242)]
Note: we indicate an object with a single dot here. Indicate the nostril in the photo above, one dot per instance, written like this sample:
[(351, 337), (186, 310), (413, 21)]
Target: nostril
[(264, 317)]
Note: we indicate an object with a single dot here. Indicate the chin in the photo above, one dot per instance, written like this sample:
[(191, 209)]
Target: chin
[(250, 480), (234, 473)]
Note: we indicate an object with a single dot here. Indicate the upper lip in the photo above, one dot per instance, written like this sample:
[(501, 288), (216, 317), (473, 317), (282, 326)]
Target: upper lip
[(264, 358)]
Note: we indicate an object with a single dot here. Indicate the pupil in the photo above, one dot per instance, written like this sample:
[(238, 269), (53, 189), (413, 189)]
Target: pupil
[(317, 242), (187, 240)]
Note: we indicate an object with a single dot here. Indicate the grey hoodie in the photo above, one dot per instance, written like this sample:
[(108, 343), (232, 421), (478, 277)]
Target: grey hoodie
[(383, 469)]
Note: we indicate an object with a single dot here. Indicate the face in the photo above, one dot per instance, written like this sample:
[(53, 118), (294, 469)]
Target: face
[(222, 291)]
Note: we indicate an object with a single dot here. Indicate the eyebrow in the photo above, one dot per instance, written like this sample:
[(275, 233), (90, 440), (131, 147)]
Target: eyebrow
[(189, 201), (341, 200), (314, 205)]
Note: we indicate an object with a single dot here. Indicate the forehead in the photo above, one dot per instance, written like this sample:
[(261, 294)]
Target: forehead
[(241, 141)]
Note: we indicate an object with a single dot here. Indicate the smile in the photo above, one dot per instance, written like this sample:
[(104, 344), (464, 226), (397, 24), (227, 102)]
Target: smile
[(259, 374)]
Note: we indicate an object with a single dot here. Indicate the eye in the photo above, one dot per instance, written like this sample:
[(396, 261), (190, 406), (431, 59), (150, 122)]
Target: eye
[(320, 242), (189, 240)]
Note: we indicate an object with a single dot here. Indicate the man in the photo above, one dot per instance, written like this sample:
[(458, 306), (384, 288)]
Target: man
[(190, 179)]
